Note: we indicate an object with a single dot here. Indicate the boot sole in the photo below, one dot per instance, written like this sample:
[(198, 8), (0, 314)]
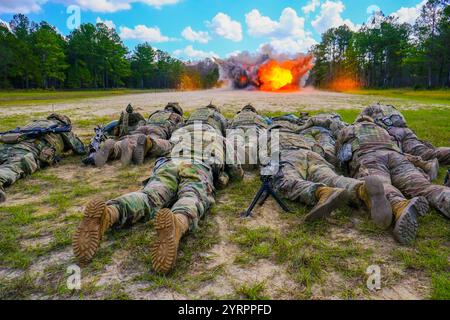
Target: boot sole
[(405, 229), (86, 240), (101, 157), (381, 210), (164, 250), (126, 155), (337, 200), (139, 150)]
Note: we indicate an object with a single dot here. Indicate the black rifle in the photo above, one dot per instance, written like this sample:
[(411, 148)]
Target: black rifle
[(447, 179), (265, 191), (100, 136), (36, 132)]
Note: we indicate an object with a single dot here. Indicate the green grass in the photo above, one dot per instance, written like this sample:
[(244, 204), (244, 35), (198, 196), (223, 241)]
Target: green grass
[(50, 208), (423, 96), (36, 97)]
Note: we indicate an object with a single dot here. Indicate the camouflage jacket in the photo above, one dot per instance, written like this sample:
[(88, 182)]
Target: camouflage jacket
[(50, 147), (331, 122), (364, 136), (163, 120), (129, 122), (248, 118)]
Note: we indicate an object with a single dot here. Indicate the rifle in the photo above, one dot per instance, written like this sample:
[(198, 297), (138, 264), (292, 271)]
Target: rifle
[(447, 179), (19, 134), (99, 137), (265, 191)]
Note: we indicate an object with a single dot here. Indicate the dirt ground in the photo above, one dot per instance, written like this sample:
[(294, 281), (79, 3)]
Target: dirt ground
[(272, 255)]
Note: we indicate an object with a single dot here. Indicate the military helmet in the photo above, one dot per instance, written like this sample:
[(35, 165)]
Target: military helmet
[(211, 106), (60, 117), (362, 118), (249, 107), (174, 107), (129, 108)]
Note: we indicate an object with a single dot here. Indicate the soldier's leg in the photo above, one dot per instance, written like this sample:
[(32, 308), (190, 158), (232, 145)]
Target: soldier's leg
[(414, 183), (291, 182), (405, 211), (195, 197), (427, 151), (369, 190), (17, 164), (105, 153), (127, 209)]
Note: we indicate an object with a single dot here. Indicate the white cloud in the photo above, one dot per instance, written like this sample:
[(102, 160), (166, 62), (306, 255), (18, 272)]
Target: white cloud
[(233, 54), (330, 17), (21, 6), (191, 53), (292, 46), (311, 6), (199, 36), (409, 15), (287, 35), (29, 6), (223, 26), (289, 24), (144, 33), (109, 23)]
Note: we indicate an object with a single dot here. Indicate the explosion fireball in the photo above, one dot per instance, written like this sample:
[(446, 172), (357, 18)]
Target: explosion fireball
[(265, 72)]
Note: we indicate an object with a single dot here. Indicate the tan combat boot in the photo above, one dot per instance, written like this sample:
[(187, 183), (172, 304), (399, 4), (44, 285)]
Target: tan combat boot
[(371, 192), (98, 218), (406, 213), (170, 228), (431, 168), (329, 199), (143, 145), (126, 151), (102, 156), (2, 195)]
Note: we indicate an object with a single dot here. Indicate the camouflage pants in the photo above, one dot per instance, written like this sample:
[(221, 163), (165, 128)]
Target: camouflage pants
[(325, 139), (426, 152), (400, 177), (15, 163), (183, 185), (303, 171), (160, 137), (250, 145)]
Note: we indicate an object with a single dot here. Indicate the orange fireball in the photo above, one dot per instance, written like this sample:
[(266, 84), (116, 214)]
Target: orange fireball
[(284, 75)]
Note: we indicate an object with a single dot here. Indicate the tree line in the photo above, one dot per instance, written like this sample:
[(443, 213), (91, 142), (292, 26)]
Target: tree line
[(36, 55), (385, 53)]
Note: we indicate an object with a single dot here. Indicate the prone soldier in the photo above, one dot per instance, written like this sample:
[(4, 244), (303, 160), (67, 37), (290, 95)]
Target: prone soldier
[(180, 190), (38, 144)]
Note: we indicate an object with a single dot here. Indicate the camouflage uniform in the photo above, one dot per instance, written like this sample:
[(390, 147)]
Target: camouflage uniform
[(303, 169), (373, 152), (186, 180), (158, 129), (129, 121), (248, 133), (393, 121), (324, 128), (25, 157)]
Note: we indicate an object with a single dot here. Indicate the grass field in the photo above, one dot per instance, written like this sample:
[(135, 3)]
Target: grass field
[(33, 97), (424, 96), (271, 256)]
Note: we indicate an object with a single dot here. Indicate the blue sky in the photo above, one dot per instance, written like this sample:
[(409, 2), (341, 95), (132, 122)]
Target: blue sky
[(193, 29)]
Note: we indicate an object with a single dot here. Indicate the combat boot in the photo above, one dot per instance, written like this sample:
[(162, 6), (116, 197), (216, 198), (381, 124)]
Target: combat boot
[(2, 195), (170, 228), (406, 213), (102, 156), (329, 199), (97, 219), (431, 168), (442, 202), (143, 145), (371, 192), (126, 152)]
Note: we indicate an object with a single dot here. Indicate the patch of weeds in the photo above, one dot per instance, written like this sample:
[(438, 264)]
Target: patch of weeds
[(18, 288), (253, 291)]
